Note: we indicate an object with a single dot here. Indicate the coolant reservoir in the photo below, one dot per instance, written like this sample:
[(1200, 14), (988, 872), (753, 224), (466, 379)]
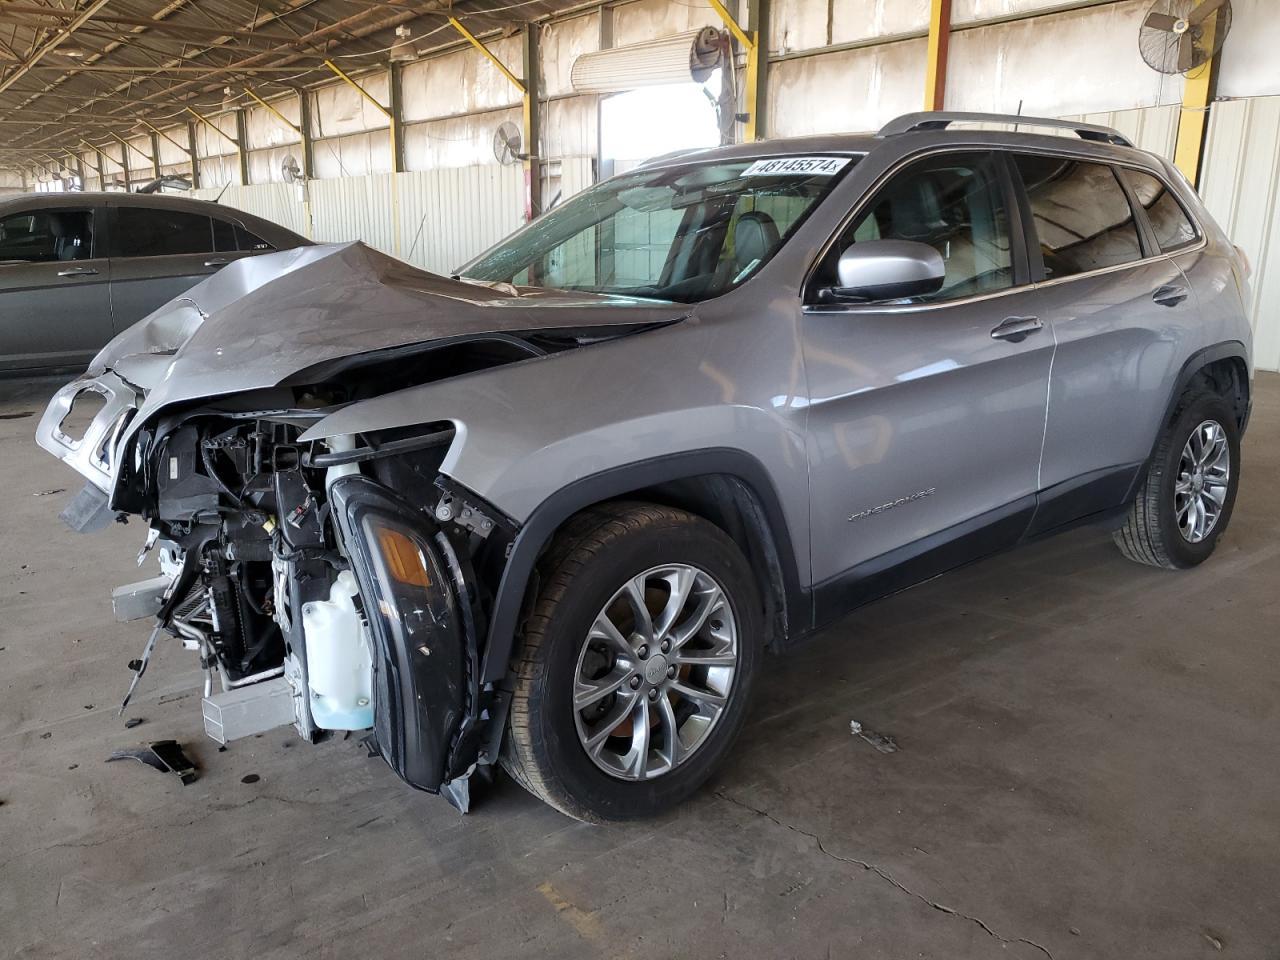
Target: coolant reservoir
[(339, 667)]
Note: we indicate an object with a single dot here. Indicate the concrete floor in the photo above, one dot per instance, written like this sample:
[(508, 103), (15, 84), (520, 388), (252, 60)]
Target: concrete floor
[(1087, 768)]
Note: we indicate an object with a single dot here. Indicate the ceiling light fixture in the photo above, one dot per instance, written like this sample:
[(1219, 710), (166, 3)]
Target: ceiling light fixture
[(402, 50)]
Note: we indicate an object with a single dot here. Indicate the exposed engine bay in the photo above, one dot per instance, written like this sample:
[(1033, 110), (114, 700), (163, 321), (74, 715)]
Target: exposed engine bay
[(268, 548)]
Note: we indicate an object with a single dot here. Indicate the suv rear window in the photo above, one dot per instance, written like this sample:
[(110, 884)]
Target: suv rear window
[(1173, 228), (1082, 216)]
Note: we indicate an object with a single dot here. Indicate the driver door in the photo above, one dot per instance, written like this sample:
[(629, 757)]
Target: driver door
[(926, 417)]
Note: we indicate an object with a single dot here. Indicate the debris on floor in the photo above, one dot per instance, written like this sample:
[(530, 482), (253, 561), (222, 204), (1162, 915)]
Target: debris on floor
[(50, 493), (883, 743), (250, 778), (134, 722), (163, 755)]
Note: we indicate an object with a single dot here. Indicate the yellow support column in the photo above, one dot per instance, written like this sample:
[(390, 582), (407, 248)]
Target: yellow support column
[(530, 108), (750, 42), (395, 162), (935, 76), (1194, 117)]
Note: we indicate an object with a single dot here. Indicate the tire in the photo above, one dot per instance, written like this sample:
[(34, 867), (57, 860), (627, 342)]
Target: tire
[(582, 582), (1152, 533)]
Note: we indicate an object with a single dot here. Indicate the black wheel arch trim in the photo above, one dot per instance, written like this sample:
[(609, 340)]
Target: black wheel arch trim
[(611, 484), (1225, 350)]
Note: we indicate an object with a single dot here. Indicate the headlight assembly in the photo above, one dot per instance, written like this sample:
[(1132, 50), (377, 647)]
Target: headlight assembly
[(421, 658)]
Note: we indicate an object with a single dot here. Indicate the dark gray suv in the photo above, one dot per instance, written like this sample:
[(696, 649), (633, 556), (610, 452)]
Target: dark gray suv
[(549, 512), (77, 268)]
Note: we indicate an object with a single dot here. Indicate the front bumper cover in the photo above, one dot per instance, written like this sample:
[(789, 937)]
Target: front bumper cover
[(94, 455)]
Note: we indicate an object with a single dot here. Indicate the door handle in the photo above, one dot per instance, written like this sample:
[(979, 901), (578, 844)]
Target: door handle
[(1169, 295), (217, 262), (1016, 329), (78, 272)]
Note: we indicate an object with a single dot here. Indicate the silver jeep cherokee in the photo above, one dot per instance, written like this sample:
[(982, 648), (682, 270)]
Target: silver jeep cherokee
[(549, 512)]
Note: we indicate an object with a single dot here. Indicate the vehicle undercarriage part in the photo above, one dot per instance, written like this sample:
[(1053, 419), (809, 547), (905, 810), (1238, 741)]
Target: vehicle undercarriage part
[(137, 601), (243, 711), (88, 511)]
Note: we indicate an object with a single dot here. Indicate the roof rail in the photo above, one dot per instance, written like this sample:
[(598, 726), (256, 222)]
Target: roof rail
[(941, 119)]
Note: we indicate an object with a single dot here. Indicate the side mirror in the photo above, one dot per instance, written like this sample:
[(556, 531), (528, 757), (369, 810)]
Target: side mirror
[(886, 270)]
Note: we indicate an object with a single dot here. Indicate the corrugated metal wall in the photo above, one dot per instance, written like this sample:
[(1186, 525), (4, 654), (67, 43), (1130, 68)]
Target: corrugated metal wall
[(1239, 186), (437, 219), (351, 208), (451, 214), (1150, 128)]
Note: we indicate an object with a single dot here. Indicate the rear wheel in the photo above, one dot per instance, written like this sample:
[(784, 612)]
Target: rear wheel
[(1190, 489), (637, 663)]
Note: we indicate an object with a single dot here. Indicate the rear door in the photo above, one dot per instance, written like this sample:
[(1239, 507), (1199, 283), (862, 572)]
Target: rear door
[(925, 418), (157, 254), (54, 306), (1119, 309)]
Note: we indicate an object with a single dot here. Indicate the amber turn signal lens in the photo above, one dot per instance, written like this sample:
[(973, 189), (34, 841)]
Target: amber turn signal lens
[(403, 558)]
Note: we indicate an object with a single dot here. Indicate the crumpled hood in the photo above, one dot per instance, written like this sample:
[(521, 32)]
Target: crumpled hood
[(261, 319)]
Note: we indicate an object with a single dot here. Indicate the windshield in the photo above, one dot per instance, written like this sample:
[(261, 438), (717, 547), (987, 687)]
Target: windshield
[(688, 232)]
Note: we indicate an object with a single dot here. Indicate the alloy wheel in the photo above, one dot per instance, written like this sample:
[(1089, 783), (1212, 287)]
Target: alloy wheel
[(1204, 474), (655, 672)]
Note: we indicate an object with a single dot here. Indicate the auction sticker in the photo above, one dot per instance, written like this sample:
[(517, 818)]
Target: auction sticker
[(796, 166)]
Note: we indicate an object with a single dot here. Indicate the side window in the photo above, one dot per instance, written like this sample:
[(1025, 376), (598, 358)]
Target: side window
[(1172, 226), (954, 203), (148, 232), (46, 236), (1083, 219), (230, 237)]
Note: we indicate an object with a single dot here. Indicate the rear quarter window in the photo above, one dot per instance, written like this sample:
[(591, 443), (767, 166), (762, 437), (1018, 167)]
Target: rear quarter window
[(1173, 228)]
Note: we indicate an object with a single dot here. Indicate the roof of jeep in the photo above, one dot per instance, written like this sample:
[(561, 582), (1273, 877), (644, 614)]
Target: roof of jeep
[(908, 129)]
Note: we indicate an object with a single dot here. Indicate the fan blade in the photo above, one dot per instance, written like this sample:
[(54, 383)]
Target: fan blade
[(1186, 53), (1160, 21), (1202, 13)]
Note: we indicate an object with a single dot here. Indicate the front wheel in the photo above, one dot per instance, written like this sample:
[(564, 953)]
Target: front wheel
[(637, 663), (1185, 503)]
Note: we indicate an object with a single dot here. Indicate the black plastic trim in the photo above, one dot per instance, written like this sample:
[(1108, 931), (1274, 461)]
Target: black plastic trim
[(1084, 498), (1225, 350), (922, 560), (617, 482)]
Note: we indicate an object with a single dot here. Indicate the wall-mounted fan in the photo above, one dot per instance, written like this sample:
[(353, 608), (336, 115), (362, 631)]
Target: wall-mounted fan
[(290, 172), (1179, 35), (507, 143)]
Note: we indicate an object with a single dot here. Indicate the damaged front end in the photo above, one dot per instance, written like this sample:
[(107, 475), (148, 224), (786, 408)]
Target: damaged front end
[(314, 592), (336, 584)]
